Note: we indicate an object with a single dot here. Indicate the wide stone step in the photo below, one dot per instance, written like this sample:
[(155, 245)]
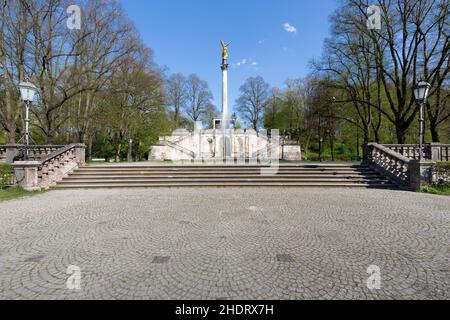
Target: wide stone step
[(214, 173), (234, 177), (248, 171), (232, 184), (226, 167), (213, 176), (218, 180), (194, 175)]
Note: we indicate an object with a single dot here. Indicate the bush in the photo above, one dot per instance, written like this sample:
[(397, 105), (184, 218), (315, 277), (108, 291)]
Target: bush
[(6, 175), (441, 172)]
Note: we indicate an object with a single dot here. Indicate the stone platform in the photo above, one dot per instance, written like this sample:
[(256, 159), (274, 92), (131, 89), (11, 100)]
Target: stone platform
[(191, 243)]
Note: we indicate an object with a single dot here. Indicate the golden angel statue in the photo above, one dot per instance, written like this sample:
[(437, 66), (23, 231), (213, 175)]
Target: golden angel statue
[(224, 50)]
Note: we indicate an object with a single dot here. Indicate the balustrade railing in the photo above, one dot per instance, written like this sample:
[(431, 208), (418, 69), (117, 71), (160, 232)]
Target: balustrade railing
[(2, 153), (35, 152), (51, 168), (401, 163), (57, 165), (441, 152), (411, 151), (431, 151), (389, 162), (39, 152)]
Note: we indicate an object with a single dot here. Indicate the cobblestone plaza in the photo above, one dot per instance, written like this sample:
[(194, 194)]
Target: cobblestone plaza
[(223, 243)]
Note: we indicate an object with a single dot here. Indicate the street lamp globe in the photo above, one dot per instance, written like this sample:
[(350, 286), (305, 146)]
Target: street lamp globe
[(27, 91), (421, 91)]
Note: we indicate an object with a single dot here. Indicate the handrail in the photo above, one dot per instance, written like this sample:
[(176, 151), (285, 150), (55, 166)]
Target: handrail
[(33, 146), (389, 163), (180, 148), (47, 171), (390, 152), (35, 152), (58, 152), (431, 151)]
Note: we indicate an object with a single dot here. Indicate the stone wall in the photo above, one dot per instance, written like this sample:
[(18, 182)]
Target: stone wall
[(209, 145)]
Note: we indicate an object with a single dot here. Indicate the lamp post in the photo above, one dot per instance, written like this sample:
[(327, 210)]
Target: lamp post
[(27, 92), (421, 91)]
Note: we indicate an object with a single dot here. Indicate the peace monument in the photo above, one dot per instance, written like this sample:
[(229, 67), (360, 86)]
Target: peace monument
[(224, 142)]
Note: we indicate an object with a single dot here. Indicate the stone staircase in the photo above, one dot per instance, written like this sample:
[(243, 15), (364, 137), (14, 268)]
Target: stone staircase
[(288, 175)]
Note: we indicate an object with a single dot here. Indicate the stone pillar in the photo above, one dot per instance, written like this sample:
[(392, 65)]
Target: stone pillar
[(80, 153), (12, 150), (224, 68), (419, 173), (435, 151), (26, 173)]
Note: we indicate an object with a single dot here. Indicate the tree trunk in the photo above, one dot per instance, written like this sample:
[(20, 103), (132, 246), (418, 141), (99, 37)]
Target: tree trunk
[(90, 143), (118, 149), (434, 133), (129, 154), (400, 134), (332, 148), (11, 133)]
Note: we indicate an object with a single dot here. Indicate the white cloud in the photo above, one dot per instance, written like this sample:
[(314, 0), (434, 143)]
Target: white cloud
[(248, 63), (289, 28), (241, 63)]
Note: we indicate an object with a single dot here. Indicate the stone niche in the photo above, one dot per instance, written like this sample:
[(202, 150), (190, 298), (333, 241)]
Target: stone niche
[(212, 144)]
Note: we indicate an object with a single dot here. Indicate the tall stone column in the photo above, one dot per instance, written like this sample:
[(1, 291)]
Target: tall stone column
[(224, 68)]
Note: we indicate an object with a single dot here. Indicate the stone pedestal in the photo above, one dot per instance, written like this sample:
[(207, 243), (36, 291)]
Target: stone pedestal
[(420, 173), (26, 173), (291, 152), (80, 154)]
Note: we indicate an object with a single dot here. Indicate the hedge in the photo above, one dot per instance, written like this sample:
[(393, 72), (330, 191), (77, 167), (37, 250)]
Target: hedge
[(6, 175), (441, 172)]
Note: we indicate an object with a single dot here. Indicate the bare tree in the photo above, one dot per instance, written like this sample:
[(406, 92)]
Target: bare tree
[(211, 113), (252, 101), (198, 97), (13, 53), (377, 68), (176, 94)]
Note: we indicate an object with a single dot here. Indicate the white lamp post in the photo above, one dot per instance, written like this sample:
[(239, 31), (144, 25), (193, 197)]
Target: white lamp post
[(27, 92), (421, 91)]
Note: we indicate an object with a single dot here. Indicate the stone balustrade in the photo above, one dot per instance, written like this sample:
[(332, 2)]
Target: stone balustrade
[(439, 152), (2, 153), (44, 173), (388, 162), (408, 173), (35, 152), (432, 151)]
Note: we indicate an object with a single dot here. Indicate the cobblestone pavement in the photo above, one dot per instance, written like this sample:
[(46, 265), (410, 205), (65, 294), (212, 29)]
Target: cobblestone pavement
[(225, 243)]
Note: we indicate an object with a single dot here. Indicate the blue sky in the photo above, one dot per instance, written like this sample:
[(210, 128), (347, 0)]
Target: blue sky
[(272, 38)]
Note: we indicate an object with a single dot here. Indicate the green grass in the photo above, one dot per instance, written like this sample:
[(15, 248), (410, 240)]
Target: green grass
[(14, 192), (443, 189)]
